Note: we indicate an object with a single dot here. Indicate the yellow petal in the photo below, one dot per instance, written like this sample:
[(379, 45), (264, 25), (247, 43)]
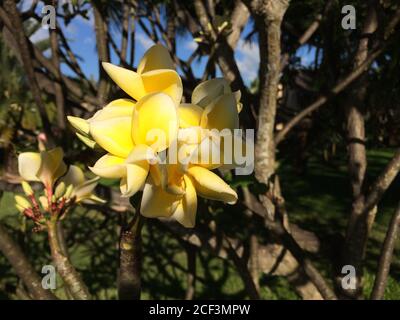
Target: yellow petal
[(185, 213), (115, 109), (109, 166), (79, 124), (221, 114), (52, 165), (172, 179), (210, 186), (189, 115), (113, 135), (128, 103), (85, 190), (86, 140), (209, 90), (74, 176), (208, 153), (135, 179), (156, 202), (157, 57), (141, 152), (127, 80), (155, 121), (28, 165), (167, 81)]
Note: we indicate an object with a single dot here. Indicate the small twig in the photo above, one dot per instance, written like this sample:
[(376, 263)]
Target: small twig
[(63, 265)]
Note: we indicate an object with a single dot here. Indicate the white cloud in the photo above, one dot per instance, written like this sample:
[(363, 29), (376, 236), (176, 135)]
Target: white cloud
[(248, 60)]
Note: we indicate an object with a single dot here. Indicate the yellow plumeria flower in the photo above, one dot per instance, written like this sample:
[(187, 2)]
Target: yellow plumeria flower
[(176, 196), (134, 132), (46, 166)]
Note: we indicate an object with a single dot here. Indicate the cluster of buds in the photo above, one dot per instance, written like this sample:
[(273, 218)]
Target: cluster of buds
[(63, 187), (49, 205)]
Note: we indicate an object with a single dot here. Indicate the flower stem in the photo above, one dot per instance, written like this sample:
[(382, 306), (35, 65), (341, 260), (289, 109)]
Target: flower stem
[(64, 267), (129, 282)]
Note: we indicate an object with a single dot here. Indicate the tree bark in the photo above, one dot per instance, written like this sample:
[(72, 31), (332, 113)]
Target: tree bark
[(357, 151), (64, 267), (101, 29), (130, 251)]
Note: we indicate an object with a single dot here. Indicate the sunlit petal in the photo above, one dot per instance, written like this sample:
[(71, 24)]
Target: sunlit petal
[(167, 81), (156, 202), (81, 125), (135, 179), (109, 166), (52, 165), (113, 135), (28, 165), (115, 109), (209, 90), (157, 57), (221, 114), (185, 213), (155, 121), (189, 115), (127, 80), (86, 140), (210, 186), (74, 176), (142, 152)]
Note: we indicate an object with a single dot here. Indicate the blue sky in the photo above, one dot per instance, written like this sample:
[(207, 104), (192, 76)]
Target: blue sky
[(81, 36)]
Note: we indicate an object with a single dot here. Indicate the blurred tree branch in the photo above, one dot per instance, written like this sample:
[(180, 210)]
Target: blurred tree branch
[(23, 267)]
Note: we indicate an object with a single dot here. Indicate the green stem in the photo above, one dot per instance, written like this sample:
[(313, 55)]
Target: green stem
[(64, 267)]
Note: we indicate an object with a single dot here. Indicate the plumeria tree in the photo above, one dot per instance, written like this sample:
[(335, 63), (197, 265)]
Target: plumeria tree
[(140, 178)]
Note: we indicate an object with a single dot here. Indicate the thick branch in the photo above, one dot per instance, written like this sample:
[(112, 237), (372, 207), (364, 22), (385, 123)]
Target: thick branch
[(130, 257), (268, 17)]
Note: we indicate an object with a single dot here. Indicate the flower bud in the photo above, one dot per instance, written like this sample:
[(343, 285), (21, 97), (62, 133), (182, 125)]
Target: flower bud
[(43, 202), (60, 189), (22, 202), (68, 192), (27, 188), (20, 208)]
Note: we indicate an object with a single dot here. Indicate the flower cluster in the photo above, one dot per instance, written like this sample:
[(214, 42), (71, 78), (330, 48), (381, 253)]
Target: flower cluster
[(63, 186), (138, 135)]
